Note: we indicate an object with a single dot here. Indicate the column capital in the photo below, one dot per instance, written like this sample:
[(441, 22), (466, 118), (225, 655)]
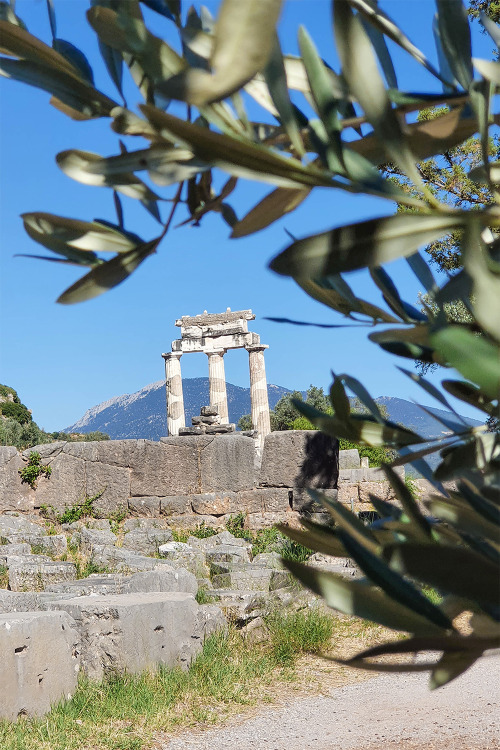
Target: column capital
[(171, 355), (219, 352), (256, 347)]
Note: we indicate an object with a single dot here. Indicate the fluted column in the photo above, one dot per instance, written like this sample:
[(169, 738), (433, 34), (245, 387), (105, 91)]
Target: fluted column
[(175, 398), (217, 383), (258, 391)]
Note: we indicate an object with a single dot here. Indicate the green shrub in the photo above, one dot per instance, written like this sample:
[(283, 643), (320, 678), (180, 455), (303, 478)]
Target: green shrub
[(34, 469), (81, 510), (17, 412)]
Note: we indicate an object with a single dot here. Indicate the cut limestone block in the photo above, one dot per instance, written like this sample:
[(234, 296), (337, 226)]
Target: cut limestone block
[(299, 458), (144, 506), (34, 576), (14, 495), (39, 664), (134, 632), (146, 541), (119, 560), (56, 544), (349, 459)]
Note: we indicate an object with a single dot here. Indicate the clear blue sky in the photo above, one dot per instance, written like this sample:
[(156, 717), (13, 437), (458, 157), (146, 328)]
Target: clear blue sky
[(65, 359)]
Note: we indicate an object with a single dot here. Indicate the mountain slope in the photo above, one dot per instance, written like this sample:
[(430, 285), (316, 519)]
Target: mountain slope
[(143, 414)]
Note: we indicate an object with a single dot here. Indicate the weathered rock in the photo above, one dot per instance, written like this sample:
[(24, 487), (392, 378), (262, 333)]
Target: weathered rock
[(111, 485), (268, 560), (7, 550), (299, 458), (220, 429), (242, 606), (117, 559), (349, 459), (132, 524), (101, 524), (304, 503), (250, 579), (193, 521), (34, 576), (162, 578), (222, 461), (13, 524), (382, 490), (18, 601), (348, 492), (66, 485), (255, 632), (209, 411), (89, 539), (198, 429), (14, 495), (256, 521), (135, 632), (263, 500), (164, 469), (213, 504), (209, 619), (55, 544), (367, 475), (182, 555), (39, 664), (175, 505), (146, 541), (227, 553), (144, 506)]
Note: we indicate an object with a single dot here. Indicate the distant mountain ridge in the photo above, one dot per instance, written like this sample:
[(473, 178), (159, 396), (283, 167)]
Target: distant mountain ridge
[(143, 414)]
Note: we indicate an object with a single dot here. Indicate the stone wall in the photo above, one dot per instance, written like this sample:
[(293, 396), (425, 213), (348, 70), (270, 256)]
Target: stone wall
[(191, 479)]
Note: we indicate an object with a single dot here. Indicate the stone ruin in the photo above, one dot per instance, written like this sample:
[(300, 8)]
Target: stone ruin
[(208, 423), (213, 335)]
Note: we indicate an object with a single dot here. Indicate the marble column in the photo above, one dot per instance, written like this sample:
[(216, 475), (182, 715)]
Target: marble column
[(258, 391), (175, 398), (217, 383)]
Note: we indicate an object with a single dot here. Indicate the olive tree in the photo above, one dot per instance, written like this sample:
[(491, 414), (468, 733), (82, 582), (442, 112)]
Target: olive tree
[(351, 124)]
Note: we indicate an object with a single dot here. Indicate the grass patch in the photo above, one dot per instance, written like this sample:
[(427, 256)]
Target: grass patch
[(294, 633), (4, 577), (123, 713)]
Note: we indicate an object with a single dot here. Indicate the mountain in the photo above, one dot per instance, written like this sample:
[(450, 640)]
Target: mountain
[(143, 414)]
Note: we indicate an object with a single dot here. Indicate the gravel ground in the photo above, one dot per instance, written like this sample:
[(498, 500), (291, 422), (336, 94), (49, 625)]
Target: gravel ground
[(392, 712)]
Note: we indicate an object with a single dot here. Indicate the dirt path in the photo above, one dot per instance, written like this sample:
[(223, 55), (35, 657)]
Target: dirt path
[(389, 711)]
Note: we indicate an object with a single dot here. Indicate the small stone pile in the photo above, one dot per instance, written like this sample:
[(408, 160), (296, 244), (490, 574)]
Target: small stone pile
[(208, 423)]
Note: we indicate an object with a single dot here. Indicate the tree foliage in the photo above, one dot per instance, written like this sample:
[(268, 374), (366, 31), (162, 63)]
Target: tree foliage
[(336, 130)]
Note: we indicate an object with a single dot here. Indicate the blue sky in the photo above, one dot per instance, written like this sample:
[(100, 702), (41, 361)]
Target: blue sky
[(65, 359)]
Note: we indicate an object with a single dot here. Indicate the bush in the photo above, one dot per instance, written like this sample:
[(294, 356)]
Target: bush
[(34, 470)]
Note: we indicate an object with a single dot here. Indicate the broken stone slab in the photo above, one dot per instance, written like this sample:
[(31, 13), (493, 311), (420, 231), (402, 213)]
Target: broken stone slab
[(199, 429), (205, 420), (55, 544), (13, 524), (255, 632), (240, 607), (40, 662), (209, 411), (101, 524), (34, 576), (227, 553), (175, 505), (182, 555), (146, 541), (89, 539), (268, 560), (220, 429), (164, 578), (257, 521), (131, 633), (189, 521), (8, 550), (18, 601), (119, 560), (209, 620), (222, 538), (131, 524), (252, 579), (144, 506)]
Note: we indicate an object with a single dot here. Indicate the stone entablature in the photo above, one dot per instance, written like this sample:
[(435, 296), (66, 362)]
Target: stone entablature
[(213, 334)]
